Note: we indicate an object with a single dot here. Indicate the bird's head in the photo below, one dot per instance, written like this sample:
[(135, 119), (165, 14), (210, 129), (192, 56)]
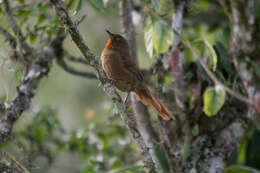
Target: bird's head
[(116, 41)]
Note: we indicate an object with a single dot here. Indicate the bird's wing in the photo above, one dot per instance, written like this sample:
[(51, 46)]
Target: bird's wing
[(132, 67)]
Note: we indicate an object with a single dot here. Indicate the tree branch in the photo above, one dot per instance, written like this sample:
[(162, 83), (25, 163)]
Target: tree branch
[(77, 38), (94, 62), (12, 41), (71, 70), (26, 90), (177, 77), (177, 55), (14, 161), (74, 59), (140, 111)]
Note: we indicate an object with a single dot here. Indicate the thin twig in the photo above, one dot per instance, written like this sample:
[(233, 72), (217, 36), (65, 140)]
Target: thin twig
[(8, 36), (153, 12), (71, 70), (77, 38), (207, 18), (14, 26), (80, 20), (9, 157), (74, 59), (11, 39)]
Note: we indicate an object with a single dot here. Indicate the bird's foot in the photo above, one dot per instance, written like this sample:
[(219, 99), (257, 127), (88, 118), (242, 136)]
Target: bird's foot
[(112, 81), (125, 100)]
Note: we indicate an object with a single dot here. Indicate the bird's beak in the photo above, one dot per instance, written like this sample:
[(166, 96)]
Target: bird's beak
[(111, 35)]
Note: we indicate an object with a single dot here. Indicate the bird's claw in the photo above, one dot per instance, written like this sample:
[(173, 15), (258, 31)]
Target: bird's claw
[(112, 81), (125, 100)]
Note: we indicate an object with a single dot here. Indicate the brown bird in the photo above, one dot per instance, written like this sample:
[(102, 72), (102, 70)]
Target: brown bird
[(126, 76)]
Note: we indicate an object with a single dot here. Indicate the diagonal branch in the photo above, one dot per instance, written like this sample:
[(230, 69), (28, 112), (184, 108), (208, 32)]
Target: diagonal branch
[(77, 38), (94, 62), (14, 161)]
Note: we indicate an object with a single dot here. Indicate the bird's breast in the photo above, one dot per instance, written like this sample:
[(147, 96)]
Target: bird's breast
[(111, 64)]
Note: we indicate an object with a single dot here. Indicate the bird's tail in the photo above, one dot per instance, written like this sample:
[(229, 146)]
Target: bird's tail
[(146, 97)]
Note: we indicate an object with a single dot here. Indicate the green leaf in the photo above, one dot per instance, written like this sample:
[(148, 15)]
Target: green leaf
[(214, 98), (24, 13), (98, 4), (243, 148), (186, 151), (213, 58), (167, 79), (253, 149), (148, 36), (41, 132), (72, 4), (41, 19), (195, 130), (160, 156), (203, 73), (158, 36), (240, 169), (32, 37), (162, 37), (204, 5), (78, 8), (156, 4), (22, 1), (131, 168), (224, 58), (3, 98), (254, 66), (42, 8)]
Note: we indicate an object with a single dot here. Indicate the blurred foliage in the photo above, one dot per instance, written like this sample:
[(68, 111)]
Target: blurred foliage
[(106, 148), (240, 169)]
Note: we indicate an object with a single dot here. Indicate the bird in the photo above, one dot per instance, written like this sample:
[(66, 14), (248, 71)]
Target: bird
[(126, 76)]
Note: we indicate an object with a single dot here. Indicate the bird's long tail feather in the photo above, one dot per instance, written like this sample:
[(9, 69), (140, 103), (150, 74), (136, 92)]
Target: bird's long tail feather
[(146, 97)]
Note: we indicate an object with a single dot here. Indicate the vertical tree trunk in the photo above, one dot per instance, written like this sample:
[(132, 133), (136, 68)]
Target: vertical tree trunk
[(140, 111)]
